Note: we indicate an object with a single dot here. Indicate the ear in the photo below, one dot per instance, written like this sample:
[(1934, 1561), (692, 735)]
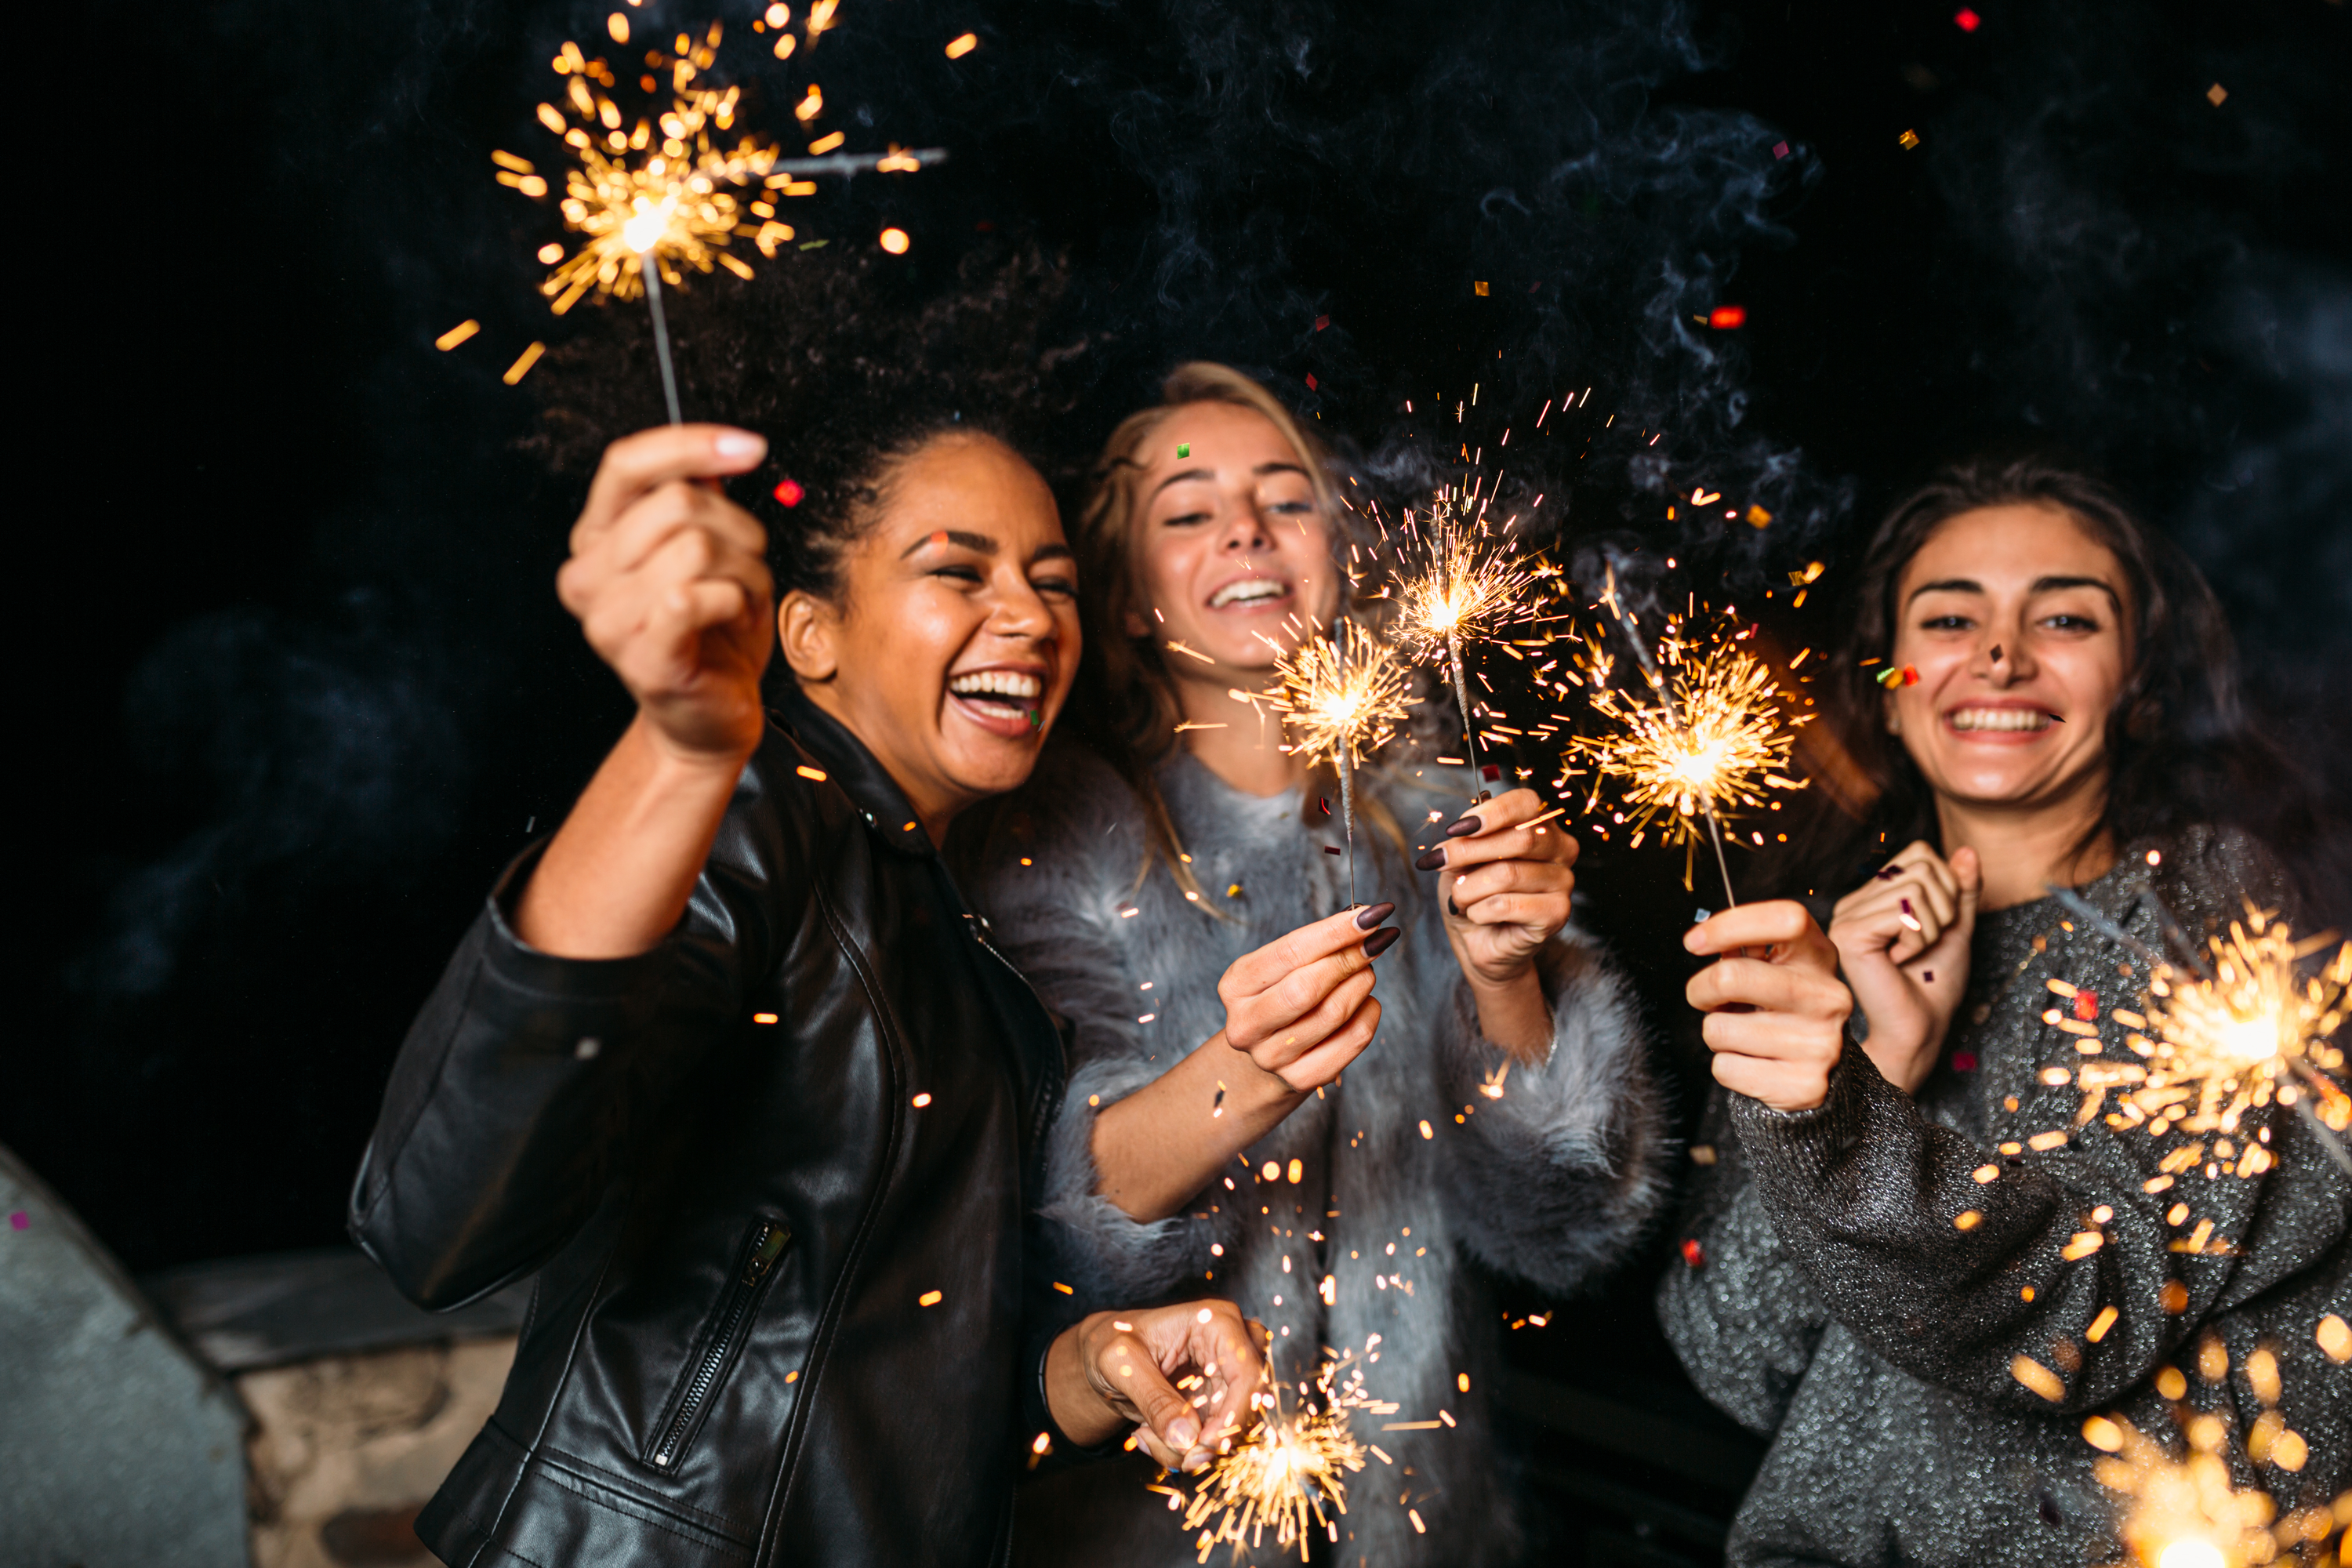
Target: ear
[(809, 630)]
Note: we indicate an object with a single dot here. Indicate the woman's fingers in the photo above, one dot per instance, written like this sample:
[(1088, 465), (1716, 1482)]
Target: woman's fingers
[(1271, 965), (1781, 925), (1322, 1063), (645, 461), (1763, 984), (646, 526), (1275, 1033), (1207, 1346), (1507, 877)]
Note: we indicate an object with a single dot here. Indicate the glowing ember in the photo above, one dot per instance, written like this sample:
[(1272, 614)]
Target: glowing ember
[(1340, 697), (1289, 1474)]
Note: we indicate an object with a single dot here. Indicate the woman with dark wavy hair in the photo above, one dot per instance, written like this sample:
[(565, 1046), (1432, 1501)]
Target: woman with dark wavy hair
[(1922, 1248)]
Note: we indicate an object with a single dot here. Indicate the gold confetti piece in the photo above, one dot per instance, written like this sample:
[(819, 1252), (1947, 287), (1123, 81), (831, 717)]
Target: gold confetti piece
[(524, 362), (2215, 94), (2037, 1377), (764, 1017), (1907, 141), (2101, 1324), (457, 334), (960, 46), (930, 1299)]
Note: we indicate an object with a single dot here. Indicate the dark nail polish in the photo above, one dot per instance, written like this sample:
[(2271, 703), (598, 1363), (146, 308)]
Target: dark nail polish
[(1450, 909), (1371, 917), (1463, 828), (1431, 862), (1381, 941), (1888, 874)]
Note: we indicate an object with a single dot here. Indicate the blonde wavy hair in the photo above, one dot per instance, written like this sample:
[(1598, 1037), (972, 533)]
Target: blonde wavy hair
[(1127, 707)]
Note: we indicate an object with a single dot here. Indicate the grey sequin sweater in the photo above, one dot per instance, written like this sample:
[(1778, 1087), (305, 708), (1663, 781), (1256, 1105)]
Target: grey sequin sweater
[(1833, 1302), (1382, 1184)]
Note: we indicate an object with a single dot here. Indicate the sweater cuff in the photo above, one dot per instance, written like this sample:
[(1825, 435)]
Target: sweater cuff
[(1810, 1144)]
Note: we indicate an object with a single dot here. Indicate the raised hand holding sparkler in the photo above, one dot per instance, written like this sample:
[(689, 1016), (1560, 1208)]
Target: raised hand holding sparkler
[(1457, 585)]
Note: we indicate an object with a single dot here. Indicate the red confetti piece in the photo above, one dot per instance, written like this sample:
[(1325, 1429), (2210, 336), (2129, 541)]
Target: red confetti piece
[(20, 1220), (1692, 1253), (1966, 20), (1723, 318), (1311, 382), (1964, 1061), (1907, 675), (1321, 322), (790, 492), (2086, 1007), (1779, 149)]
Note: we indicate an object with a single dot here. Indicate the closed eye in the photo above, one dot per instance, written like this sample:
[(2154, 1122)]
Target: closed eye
[(959, 574), (1185, 520), (2069, 621), (1061, 587), (1950, 623)]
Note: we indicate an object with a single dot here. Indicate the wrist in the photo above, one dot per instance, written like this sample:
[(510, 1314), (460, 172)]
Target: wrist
[(1082, 1415), (1252, 1087), (674, 763)]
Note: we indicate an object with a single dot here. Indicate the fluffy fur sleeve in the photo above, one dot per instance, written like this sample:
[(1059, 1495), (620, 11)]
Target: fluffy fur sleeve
[(1058, 917), (1560, 1176)]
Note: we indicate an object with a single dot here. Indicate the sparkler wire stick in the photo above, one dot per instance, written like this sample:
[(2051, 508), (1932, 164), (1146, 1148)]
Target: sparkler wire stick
[(1461, 700), (1674, 717), (661, 339)]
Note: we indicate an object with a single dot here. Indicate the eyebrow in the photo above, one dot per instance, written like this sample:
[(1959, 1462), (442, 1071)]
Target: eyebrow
[(1260, 471), (981, 544), (2040, 585)]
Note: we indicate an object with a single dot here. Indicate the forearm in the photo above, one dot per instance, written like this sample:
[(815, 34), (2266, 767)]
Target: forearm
[(1161, 1145), (617, 875), (1514, 1014)]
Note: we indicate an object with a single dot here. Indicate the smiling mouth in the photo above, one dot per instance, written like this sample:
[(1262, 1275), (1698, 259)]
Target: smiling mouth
[(1249, 591), (1006, 693), (2005, 721)]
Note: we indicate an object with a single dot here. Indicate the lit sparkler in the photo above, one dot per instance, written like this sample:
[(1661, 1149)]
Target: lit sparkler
[(2254, 1028), (647, 217), (1341, 699), (1289, 1474), (1461, 585), (2187, 1513), (1715, 740)]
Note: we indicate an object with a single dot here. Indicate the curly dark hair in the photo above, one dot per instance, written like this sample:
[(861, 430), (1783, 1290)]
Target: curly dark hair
[(848, 361), (2180, 749)]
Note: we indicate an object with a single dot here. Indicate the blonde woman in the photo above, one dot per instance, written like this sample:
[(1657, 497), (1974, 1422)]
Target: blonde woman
[(1169, 892)]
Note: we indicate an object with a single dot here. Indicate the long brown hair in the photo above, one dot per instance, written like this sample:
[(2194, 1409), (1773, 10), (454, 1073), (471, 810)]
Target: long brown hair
[(1126, 705)]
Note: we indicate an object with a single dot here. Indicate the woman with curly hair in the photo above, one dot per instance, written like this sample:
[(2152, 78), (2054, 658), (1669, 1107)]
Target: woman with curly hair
[(726, 1063), (1924, 1246), (1231, 1123)]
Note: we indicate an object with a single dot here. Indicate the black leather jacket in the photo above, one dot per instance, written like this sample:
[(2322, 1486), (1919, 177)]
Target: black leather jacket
[(771, 1176)]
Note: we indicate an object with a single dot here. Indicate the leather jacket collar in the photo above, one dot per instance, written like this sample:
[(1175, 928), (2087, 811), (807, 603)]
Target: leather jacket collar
[(861, 776)]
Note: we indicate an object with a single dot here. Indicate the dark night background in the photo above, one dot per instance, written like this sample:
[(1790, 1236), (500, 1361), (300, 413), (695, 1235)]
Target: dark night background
[(297, 683)]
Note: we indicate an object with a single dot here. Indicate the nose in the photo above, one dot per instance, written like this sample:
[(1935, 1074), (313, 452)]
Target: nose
[(1244, 534), (2001, 659), (1022, 613)]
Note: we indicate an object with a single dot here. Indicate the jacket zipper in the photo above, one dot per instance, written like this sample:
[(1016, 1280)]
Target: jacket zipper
[(767, 1245)]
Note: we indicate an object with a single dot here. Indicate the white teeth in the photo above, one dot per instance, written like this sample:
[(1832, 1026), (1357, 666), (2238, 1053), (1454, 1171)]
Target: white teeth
[(1009, 683), (2005, 719), (1245, 591)]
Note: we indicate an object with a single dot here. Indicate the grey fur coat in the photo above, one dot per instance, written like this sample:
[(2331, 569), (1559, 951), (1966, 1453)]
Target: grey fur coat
[(1383, 1182)]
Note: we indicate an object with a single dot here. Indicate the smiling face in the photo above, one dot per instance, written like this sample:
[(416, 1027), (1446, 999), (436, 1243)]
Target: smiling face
[(2018, 624), (1232, 548), (955, 635)]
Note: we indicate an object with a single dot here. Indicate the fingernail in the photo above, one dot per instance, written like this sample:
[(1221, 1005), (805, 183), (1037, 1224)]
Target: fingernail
[(1887, 875), (1374, 916), (1463, 828), (1906, 906), (1181, 1434), (1381, 941), (1431, 862), (734, 444)]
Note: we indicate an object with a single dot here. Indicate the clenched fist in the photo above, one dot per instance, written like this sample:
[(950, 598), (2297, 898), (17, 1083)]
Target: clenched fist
[(670, 582)]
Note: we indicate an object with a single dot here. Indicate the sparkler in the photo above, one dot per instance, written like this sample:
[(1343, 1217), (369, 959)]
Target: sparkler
[(1341, 699), (2187, 1513), (1717, 739), (1466, 588), (662, 197), (2252, 1029), (1290, 1472)]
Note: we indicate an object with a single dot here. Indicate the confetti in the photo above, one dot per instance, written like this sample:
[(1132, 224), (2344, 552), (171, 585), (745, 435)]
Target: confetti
[(1723, 318), (788, 492), (1966, 20)]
